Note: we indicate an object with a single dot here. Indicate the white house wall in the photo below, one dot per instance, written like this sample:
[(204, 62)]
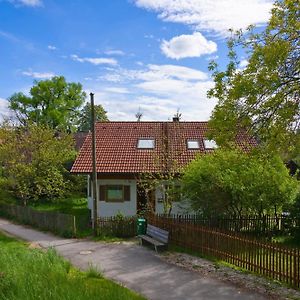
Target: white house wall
[(109, 209), (177, 207), (128, 208)]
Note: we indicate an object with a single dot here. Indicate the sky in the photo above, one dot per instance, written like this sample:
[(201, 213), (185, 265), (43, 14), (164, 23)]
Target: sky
[(135, 55)]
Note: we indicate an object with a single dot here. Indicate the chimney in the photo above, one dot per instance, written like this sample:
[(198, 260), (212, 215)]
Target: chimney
[(176, 119)]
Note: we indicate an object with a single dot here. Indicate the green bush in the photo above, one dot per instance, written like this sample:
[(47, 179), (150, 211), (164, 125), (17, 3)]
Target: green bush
[(33, 160), (233, 182)]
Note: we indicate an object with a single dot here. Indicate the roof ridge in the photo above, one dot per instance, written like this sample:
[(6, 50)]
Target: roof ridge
[(141, 122)]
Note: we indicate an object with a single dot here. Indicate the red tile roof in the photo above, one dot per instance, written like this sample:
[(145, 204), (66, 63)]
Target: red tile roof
[(117, 152)]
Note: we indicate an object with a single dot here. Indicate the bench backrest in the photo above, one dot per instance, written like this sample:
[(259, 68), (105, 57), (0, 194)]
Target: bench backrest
[(157, 233)]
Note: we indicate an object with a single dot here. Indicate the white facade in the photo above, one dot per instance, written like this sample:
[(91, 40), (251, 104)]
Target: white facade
[(108, 209), (177, 207), (129, 208)]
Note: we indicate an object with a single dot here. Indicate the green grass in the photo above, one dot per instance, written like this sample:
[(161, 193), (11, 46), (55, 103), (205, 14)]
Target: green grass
[(30, 274), (74, 205), (110, 239), (289, 241)]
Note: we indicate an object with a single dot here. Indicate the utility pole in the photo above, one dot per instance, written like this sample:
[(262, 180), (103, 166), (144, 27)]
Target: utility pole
[(94, 162)]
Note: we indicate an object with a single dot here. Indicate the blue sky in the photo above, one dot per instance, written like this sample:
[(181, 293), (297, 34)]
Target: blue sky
[(150, 55)]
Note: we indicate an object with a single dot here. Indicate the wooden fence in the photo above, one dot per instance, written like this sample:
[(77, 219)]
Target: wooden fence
[(56, 222), (265, 258), (261, 226), (123, 227)]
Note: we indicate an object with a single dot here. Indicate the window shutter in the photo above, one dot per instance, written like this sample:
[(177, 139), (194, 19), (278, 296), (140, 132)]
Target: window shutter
[(126, 192), (102, 193)]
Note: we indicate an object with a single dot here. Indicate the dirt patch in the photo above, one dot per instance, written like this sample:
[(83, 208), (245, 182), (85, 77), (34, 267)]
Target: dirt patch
[(238, 278), (35, 246)]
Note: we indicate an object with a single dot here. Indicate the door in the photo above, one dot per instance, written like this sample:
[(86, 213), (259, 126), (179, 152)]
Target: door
[(142, 200)]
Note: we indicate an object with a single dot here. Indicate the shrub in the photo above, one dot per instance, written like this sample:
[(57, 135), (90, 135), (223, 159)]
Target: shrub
[(233, 182)]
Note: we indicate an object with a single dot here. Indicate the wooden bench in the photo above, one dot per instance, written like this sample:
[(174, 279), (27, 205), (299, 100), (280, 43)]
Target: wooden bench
[(155, 236)]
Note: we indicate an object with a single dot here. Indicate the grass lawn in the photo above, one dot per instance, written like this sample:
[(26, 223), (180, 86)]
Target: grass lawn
[(75, 205), (30, 274)]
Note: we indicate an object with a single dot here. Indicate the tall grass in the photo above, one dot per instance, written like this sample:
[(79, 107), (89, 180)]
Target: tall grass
[(31, 274)]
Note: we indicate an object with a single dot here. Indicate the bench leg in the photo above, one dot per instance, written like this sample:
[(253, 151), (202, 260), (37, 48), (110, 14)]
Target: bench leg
[(155, 248)]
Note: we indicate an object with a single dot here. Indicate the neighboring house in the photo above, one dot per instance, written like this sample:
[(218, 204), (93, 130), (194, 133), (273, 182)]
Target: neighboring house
[(125, 150), (79, 138)]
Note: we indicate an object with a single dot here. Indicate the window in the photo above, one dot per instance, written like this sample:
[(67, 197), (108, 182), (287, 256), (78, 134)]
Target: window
[(210, 144), (193, 144), (114, 193), (146, 144)]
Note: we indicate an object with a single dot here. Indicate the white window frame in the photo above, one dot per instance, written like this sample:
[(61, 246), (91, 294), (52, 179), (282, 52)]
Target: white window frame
[(210, 144), (190, 147), (146, 143)]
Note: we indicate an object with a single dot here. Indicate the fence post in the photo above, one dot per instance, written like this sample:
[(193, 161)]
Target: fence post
[(74, 226), (295, 280)]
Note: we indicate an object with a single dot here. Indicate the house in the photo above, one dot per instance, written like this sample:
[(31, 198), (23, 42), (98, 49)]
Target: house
[(125, 150), (79, 138)]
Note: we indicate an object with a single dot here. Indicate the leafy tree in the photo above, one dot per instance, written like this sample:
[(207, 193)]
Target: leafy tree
[(165, 179), (52, 102), (264, 96), (233, 182), (33, 159), (85, 116), (166, 183)]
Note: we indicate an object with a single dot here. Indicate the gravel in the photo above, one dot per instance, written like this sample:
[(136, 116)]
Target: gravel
[(242, 279)]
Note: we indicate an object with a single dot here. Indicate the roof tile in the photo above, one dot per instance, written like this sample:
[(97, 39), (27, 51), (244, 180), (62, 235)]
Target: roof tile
[(117, 152)]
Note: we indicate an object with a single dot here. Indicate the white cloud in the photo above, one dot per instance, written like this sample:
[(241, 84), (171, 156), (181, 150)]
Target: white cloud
[(117, 90), (95, 60), (159, 90), (155, 72), (244, 63), (215, 16), (32, 3), (4, 111), (38, 75), (51, 47), (188, 45), (115, 52)]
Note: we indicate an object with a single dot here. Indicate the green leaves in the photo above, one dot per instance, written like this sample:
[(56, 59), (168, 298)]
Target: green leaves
[(264, 96), (232, 182), (85, 116), (53, 103), (33, 158)]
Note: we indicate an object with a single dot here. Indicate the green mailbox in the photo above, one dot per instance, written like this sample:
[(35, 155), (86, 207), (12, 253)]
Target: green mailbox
[(141, 226)]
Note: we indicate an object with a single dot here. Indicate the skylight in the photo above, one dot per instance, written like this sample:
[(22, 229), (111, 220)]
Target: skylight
[(193, 144), (210, 144), (146, 144)]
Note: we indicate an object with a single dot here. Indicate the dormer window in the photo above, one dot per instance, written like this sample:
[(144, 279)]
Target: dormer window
[(146, 144), (210, 144), (193, 144)]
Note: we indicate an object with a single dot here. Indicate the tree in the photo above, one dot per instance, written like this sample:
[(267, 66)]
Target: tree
[(264, 97), (165, 179), (33, 160), (232, 182), (52, 102), (85, 116)]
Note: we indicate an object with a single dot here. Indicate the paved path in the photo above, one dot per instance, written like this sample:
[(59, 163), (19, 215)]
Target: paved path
[(136, 267)]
